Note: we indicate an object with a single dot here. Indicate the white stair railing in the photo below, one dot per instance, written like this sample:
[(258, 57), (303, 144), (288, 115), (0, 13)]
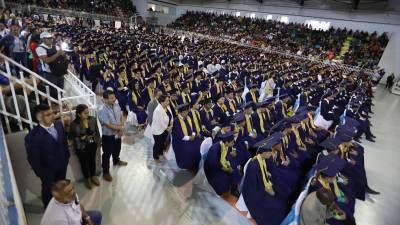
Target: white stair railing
[(22, 93)]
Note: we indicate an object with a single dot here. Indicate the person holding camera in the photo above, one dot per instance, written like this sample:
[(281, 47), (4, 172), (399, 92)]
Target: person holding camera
[(86, 138), (53, 61)]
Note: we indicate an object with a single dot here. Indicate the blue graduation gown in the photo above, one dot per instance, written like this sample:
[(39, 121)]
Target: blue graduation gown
[(257, 125), (134, 107), (206, 119), (243, 153), (263, 207), (220, 180), (187, 153), (220, 114)]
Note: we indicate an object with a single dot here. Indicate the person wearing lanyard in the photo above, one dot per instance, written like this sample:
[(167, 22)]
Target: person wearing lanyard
[(161, 126), (112, 128)]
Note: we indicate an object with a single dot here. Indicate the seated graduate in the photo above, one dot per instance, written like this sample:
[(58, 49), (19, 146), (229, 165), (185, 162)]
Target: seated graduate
[(221, 166), (218, 88), (221, 110), (230, 102), (185, 141), (148, 91), (250, 133), (225, 127), (252, 95), (207, 117), (185, 94), (173, 101), (361, 116), (136, 104), (241, 145), (260, 122), (354, 168), (194, 115), (328, 176), (238, 97), (281, 108), (262, 189)]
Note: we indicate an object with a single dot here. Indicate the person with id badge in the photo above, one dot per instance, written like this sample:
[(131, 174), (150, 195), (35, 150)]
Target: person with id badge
[(110, 117)]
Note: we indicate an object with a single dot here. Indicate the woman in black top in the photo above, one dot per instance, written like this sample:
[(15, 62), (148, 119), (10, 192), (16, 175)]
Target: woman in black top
[(85, 135)]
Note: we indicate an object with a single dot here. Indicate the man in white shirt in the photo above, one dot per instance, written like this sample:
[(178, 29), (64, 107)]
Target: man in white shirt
[(65, 209), (47, 54)]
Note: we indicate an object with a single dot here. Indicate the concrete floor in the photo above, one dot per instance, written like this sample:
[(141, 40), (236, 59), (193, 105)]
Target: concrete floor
[(143, 193)]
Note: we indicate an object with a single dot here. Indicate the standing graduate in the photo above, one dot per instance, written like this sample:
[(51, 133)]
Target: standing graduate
[(221, 166), (185, 141)]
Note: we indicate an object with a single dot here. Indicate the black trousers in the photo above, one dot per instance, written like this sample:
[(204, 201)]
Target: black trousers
[(48, 180), (159, 141), (111, 147), (87, 159)]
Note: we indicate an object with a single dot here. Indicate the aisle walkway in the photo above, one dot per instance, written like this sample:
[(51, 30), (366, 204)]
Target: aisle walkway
[(145, 194)]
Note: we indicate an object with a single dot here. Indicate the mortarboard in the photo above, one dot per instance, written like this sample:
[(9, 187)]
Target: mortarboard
[(270, 142), (330, 165), (227, 137), (183, 107), (329, 144), (248, 105), (239, 118)]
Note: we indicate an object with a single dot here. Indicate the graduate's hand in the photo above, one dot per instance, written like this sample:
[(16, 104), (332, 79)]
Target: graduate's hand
[(169, 129), (355, 153), (353, 162), (286, 163)]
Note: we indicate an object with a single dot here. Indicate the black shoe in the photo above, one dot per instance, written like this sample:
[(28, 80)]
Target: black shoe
[(357, 140), (368, 190), (370, 112), (373, 136), (370, 139)]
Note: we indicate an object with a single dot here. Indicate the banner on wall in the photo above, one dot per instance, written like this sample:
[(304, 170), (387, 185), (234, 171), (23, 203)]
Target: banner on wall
[(97, 23), (118, 24)]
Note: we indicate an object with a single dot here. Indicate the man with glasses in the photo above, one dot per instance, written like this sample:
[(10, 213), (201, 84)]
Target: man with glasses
[(47, 150), (65, 209)]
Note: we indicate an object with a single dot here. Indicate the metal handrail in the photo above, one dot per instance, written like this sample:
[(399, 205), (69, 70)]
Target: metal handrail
[(61, 100)]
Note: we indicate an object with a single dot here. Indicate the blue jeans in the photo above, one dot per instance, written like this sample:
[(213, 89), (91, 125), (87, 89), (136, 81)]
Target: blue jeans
[(95, 216)]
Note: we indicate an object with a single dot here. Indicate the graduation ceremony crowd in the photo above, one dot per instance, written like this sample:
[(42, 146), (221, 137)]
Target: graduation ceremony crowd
[(107, 7), (365, 49), (270, 118)]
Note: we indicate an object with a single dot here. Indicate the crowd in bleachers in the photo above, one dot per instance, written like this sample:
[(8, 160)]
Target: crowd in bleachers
[(267, 110), (365, 48), (108, 7)]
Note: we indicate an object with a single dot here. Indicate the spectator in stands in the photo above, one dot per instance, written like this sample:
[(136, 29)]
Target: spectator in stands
[(15, 46), (33, 43), (64, 208), (315, 208), (4, 31), (47, 150), (53, 62), (111, 119), (86, 138)]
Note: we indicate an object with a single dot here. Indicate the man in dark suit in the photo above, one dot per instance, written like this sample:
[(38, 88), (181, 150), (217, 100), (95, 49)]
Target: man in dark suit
[(47, 150)]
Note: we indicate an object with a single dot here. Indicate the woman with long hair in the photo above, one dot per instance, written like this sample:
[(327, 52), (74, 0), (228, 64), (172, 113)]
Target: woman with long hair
[(86, 138)]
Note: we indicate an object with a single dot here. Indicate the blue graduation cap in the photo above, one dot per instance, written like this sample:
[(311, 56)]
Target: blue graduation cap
[(330, 165), (270, 142), (183, 107), (329, 144), (228, 137), (248, 105), (239, 118)]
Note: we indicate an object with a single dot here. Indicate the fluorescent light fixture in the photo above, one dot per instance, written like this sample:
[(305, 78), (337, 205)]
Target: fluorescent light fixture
[(237, 13), (268, 17)]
